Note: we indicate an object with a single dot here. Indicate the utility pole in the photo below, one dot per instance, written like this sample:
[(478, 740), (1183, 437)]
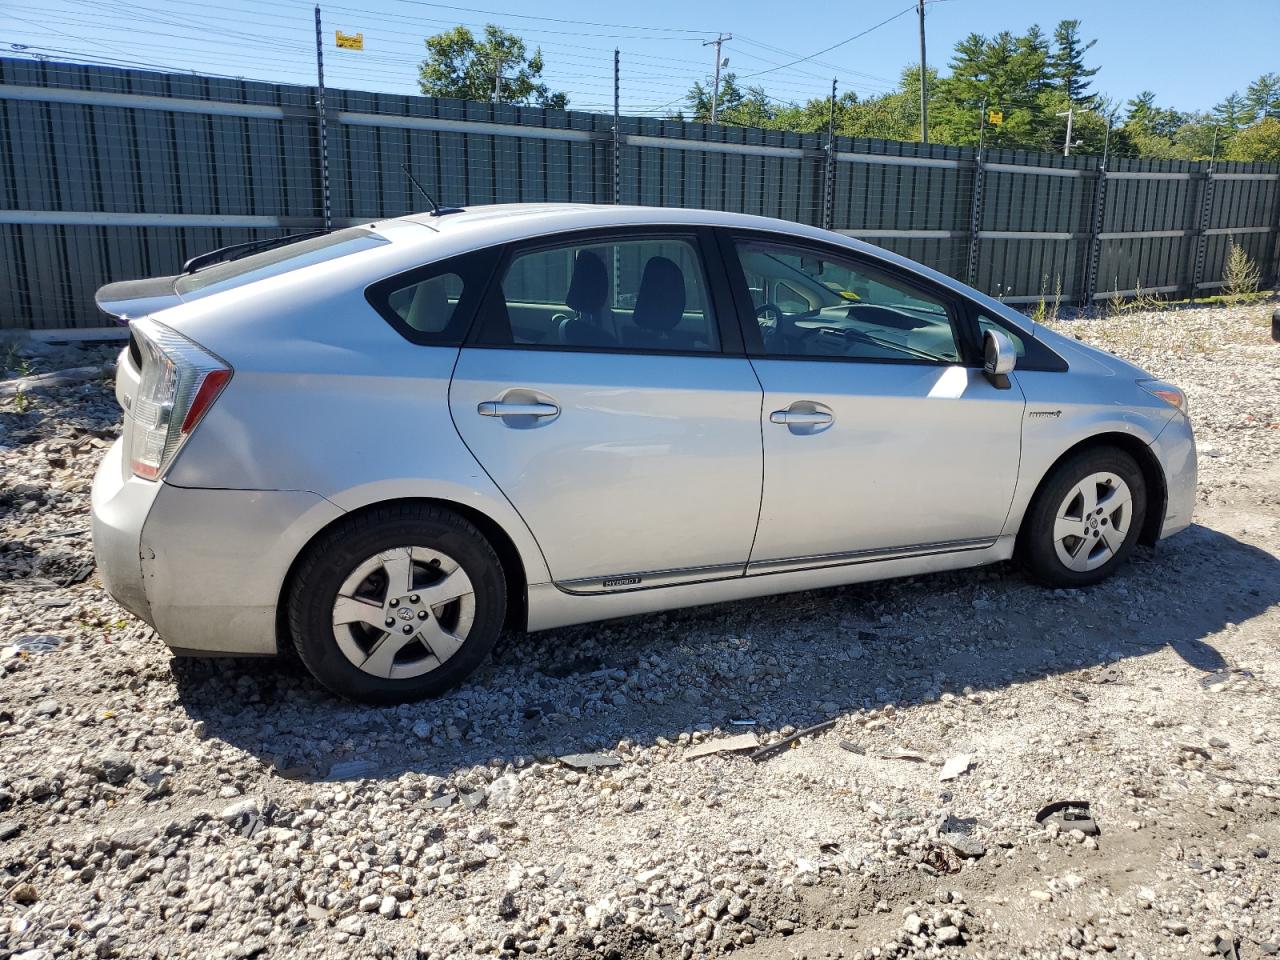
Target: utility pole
[(924, 80), (324, 131), (1070, 115), (715, 90), (497, 81)]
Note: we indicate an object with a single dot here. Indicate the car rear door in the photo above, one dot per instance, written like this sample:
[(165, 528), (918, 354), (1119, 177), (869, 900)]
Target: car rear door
[(605, 390), (882, 436)]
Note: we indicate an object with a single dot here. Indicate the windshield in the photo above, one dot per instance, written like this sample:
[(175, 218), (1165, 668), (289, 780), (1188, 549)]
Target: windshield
[(269, 263)]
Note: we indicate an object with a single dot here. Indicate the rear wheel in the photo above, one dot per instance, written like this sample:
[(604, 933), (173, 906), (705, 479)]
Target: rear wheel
[(397, 604), (1085, 519)]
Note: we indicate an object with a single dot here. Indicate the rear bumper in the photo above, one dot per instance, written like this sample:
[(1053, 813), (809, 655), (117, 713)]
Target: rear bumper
[(120, 507), (204, 567), (1175, 447)]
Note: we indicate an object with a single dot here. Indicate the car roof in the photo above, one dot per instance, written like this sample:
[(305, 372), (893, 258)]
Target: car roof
[(514, 221), (475, 227)]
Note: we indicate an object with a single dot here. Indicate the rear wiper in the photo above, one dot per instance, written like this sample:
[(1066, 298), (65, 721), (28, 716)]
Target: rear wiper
[(237, 250)]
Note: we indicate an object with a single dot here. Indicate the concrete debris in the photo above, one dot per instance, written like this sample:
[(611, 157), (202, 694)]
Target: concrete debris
[(744, 741), (955, 766), (590, 761)]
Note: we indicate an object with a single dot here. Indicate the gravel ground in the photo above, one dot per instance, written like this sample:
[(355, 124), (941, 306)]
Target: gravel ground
[(152, 807)]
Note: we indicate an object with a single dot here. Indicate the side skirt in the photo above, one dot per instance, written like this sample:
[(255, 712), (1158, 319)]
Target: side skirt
[(653, 579), (551, 605)]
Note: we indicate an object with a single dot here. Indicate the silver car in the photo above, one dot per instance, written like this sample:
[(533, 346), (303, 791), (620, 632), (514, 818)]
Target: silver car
[(384, 443)]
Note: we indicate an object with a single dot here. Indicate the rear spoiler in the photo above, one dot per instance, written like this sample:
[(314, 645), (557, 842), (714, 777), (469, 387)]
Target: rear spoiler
[(128, 299)]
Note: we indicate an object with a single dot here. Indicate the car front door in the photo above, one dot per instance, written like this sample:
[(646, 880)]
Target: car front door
[(605, 390), (882, 436)]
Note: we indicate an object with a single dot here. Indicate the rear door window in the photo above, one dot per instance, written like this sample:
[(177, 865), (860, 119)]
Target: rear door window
[(645, 294)]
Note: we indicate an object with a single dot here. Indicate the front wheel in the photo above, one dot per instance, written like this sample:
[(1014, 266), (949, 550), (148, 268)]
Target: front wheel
[(397, 604), (1085, 519)]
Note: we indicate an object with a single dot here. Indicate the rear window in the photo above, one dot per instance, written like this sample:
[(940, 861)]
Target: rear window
[(269, 263)]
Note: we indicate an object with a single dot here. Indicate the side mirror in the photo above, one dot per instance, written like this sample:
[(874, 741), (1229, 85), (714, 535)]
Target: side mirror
[(998, 357)]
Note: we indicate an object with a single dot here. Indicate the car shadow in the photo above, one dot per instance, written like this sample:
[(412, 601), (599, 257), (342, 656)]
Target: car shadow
[(791, 659)]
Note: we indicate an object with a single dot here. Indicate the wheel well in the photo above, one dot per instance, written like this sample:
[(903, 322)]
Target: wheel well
[(512, 566), (1152, 475)]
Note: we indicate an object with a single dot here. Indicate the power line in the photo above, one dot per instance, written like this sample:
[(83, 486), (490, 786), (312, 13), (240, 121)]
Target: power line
[(834, 46), (842, 69), (529, 16)]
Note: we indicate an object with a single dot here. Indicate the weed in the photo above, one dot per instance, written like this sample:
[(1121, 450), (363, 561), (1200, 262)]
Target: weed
[(1044, 312), (1240, 276)]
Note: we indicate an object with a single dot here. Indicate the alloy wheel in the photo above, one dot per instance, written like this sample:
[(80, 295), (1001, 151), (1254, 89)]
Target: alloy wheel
[(403, 612), (1091, 524)]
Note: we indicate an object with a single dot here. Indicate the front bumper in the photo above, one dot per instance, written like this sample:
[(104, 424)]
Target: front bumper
[(1175, 448), (204, 567)]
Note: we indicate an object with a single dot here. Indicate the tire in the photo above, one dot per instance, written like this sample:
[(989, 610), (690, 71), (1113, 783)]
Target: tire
[(353, 572), (1065, 540)]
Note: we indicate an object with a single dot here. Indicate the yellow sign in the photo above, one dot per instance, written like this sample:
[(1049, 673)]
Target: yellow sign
[(995, 117), (349, 41)]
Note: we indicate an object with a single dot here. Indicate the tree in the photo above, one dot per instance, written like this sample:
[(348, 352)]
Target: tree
[(735, 106), (1199, 137), (1262, 98), (1232, 113), (1146, 117), (497, 68), (1005, 72), (1259, 142), (1066, 63)]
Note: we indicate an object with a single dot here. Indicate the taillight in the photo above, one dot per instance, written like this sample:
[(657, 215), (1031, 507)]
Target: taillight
[(179, 382)]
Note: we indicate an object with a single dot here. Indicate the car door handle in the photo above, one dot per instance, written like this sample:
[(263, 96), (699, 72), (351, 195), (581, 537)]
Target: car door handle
[(501, 408), (798, 418)]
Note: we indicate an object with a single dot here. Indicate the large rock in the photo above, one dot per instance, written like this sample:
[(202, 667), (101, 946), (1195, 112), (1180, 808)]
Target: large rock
[(111, 766)]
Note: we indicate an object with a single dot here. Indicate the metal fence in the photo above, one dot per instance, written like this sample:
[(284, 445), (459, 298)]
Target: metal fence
[(109, 173)]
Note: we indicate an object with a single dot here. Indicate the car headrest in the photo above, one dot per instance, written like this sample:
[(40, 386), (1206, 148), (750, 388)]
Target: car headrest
[(429, 310), (660, 302), (589, 287)]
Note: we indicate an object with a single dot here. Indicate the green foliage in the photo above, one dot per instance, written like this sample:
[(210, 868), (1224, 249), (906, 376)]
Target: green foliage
[(1232, 113), (1262, 98), (1144, 117), (1259, 142), (735, 106), (460, 65), (1066, 63)]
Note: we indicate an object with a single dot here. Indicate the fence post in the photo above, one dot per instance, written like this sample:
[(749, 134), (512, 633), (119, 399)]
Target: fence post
[(322, 111), (1206, 208), (1090, 286), (1275, 259), (975, 216), (617, 133), (829, 191)]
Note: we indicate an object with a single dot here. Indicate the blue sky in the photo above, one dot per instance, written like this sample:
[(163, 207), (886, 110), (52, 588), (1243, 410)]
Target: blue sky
[(1191, 54)]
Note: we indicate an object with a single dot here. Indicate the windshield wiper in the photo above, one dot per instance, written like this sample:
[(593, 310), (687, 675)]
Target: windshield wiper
[(237, 250)]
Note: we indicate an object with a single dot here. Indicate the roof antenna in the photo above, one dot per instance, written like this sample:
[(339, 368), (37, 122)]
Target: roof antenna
[(436, 209)]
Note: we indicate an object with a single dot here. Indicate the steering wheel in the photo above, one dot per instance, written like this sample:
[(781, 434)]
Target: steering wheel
[(769, 315)]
